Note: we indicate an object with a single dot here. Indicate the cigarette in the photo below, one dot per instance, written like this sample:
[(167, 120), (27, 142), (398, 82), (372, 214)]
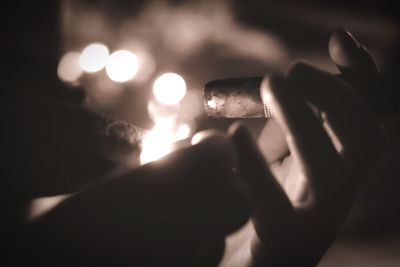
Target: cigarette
[(235, 98)]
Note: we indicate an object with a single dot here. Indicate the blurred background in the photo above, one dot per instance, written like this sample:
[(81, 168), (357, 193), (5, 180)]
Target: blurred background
[(111, 56), (146, 62)]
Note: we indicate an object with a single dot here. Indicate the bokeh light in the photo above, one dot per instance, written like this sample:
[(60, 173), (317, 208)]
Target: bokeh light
[(40, 206), (159, 112), (122, 66), (191, 105), (183, 131), (158, 142), (68, 69), (169, 88), (94, 57)]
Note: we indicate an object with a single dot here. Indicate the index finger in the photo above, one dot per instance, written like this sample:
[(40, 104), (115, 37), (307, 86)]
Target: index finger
[(308, 141), (353, 123)]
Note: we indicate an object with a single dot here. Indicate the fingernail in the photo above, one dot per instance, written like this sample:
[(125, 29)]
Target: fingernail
[(343, 47), (346, 38)]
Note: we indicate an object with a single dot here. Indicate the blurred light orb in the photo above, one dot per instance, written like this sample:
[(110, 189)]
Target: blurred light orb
[(94, 57), (68, 69), (122, 66), (169, 88)]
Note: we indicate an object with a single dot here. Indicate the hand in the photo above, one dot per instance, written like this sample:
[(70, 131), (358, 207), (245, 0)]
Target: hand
[(174, 212), (323, 132)]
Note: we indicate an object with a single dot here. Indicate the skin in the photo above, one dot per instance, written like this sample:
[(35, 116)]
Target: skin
[(324, 134), (161, 213), (179, 210)]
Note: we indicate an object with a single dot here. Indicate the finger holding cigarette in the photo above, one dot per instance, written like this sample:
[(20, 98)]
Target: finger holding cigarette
[(240, 97)]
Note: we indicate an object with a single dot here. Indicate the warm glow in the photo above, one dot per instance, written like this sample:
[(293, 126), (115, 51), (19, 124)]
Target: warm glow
[(158, 142), (182, 132), (196, 138), (159, 112), (94, 57), (169, 88), (122, 66), (68, 69), (192, 104), (146, 66)]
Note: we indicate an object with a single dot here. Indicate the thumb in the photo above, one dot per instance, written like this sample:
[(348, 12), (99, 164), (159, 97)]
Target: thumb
[(354, 61)]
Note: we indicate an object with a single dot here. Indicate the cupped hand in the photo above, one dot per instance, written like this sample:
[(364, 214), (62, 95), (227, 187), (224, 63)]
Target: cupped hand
[(323, 140)]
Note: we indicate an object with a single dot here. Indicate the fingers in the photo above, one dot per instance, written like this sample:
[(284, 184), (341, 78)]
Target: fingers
[(351, 57), (272, 142), (272, 207), (178, 203), (202, 176), (354, 62), (355, 126), (276, 223), (308, 142)]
